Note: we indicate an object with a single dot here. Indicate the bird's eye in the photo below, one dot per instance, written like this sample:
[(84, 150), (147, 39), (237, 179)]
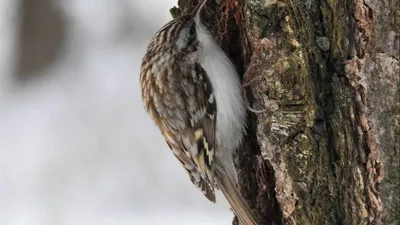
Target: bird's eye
[(192, 31)]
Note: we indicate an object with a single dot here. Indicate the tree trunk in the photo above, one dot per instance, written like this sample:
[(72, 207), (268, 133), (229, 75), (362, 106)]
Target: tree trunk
[(40, 37), (326, 150)]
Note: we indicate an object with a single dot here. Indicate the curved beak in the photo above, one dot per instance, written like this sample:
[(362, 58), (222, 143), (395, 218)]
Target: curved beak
[(196, 11)]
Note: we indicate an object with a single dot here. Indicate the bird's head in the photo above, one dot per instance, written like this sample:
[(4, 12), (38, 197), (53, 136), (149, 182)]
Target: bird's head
[(179, 34)]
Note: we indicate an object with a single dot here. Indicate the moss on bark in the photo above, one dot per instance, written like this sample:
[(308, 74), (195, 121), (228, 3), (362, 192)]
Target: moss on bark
[(327, 149)]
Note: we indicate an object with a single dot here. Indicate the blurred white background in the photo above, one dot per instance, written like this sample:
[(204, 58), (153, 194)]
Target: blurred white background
[(76, 146)]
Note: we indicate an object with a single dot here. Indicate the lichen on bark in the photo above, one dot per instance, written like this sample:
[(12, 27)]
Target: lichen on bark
[(327, 149)]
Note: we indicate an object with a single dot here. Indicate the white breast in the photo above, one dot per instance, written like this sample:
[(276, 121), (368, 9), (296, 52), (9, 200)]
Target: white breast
[(231, 112)]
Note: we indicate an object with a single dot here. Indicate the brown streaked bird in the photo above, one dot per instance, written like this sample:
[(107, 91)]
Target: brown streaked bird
[(192, 91)]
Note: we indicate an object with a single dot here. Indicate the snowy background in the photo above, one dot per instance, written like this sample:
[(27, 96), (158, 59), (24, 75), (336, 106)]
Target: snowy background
[(76, 147)]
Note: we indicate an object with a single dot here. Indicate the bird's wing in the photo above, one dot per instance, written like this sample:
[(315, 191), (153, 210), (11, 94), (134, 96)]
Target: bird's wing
[(183, 106)]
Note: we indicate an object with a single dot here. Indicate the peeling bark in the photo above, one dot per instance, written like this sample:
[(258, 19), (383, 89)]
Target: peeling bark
[(327, 150)]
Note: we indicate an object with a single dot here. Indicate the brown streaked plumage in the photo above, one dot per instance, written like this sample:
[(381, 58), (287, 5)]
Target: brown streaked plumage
[(192, 92)]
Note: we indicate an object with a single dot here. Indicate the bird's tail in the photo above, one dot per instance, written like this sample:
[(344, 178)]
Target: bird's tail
[(235, 199)]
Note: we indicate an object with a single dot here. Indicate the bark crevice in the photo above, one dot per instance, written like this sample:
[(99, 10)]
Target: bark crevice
[(324, 151)]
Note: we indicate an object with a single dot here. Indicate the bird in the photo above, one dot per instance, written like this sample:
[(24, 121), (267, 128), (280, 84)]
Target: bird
[(192, 91)]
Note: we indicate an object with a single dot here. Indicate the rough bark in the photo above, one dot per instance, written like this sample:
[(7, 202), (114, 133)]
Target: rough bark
[(327, 148)]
